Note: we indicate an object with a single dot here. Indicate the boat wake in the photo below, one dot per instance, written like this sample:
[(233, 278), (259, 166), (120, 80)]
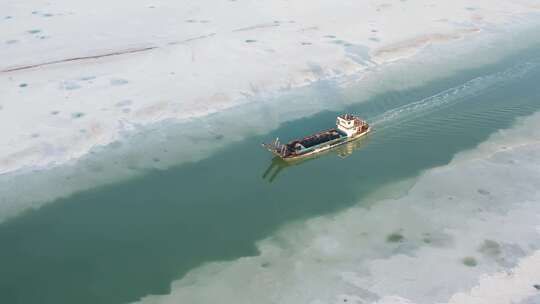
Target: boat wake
[(451, 96)]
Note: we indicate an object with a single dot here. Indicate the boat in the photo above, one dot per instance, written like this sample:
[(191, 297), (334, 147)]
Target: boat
[(348, 128)]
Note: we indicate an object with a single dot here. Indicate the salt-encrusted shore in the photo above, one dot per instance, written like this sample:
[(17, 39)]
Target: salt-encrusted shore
[(75, 74)]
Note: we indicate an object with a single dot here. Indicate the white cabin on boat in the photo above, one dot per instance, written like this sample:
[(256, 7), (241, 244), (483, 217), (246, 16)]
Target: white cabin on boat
[(349, 124)]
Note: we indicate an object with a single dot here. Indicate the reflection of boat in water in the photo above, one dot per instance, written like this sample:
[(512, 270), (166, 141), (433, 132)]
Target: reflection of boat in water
[(278, 164), (348, 128), (348, 149)]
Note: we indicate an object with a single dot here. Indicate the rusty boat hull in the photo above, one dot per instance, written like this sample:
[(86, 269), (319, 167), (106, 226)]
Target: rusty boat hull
[(349, 128), (322, 148)]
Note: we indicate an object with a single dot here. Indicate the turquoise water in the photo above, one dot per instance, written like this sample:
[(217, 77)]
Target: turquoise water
[(117, 243)]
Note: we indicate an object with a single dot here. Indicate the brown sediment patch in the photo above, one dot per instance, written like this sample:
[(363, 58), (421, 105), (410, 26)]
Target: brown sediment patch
[(10, 160), (218, 99), (477, 17), (152, 110), (79, 58), (95, 130), (419, 42)]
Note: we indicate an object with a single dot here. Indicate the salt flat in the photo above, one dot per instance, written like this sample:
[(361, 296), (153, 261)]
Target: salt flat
[(76, 74)]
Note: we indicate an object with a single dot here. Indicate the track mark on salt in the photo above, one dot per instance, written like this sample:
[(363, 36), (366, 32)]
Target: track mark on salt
[(258, 26), (80, 58), (191, 39)]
